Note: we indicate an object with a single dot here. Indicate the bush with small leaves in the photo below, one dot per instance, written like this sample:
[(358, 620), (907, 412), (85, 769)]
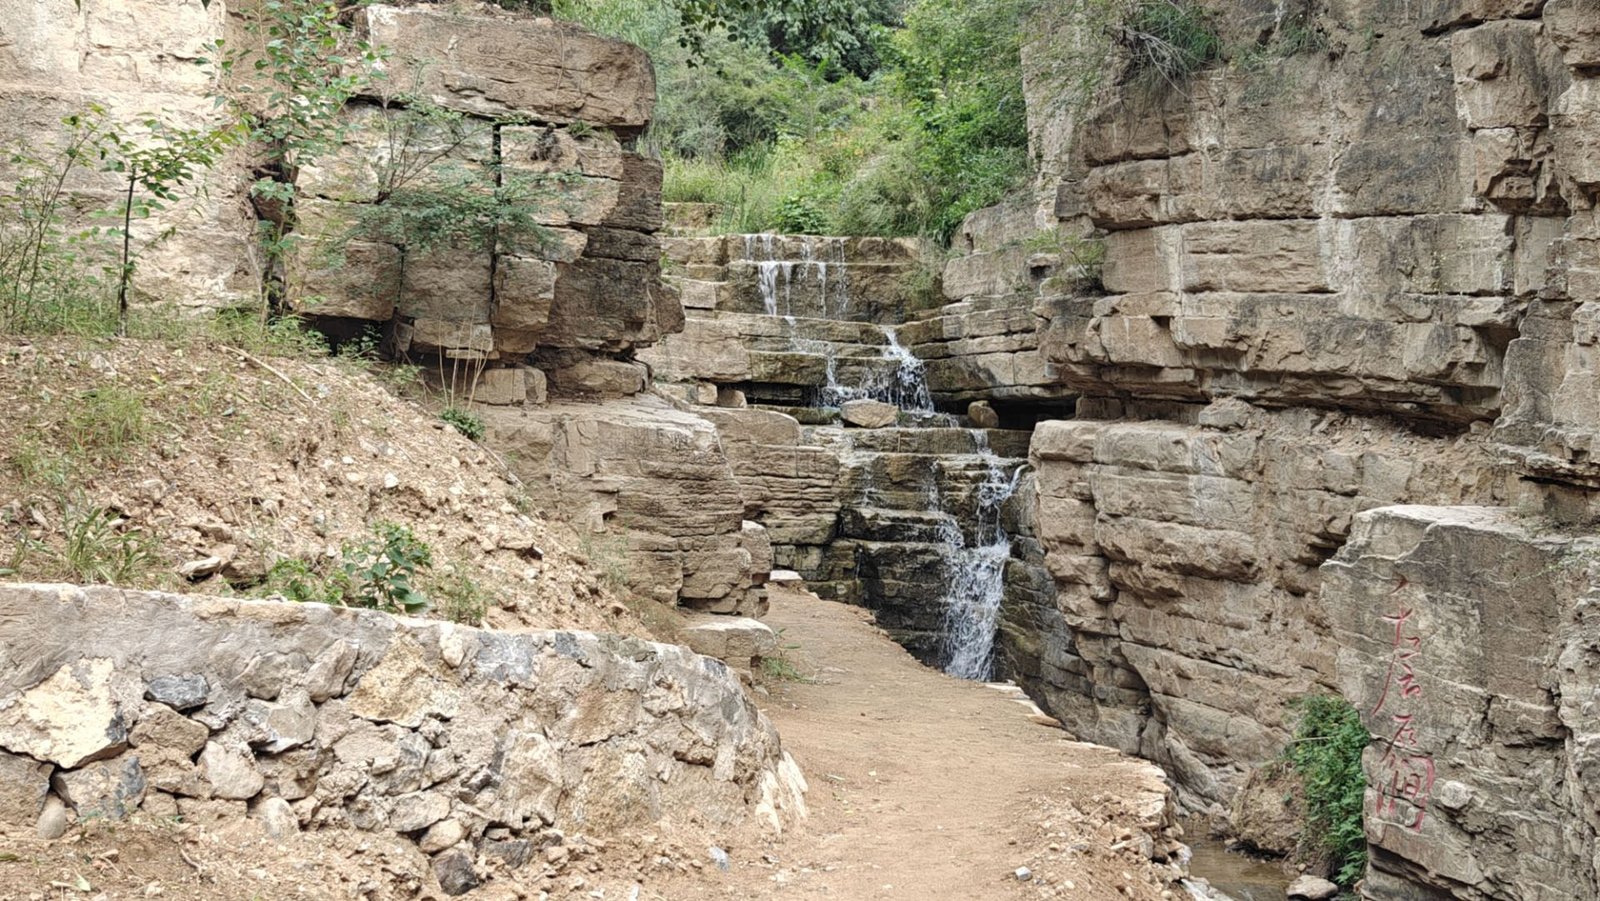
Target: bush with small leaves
[(464, 421), (383, 570)]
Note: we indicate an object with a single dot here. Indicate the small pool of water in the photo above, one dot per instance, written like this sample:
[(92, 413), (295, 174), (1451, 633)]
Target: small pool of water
[(1239, 876)]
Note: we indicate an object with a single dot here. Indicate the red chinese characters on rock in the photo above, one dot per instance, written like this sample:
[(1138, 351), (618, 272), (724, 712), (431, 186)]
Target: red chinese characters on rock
[(1406, 774)]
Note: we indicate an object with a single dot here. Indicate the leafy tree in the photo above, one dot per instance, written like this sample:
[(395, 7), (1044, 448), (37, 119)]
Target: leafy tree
[(155, 166)]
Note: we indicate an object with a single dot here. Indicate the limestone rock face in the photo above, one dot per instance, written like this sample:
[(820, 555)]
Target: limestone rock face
[(868, 414), (434, 724), (1271, 310), (652, 487), (142, 62), (1479, 693), (503, 65), (587, 276), (1172, 545)]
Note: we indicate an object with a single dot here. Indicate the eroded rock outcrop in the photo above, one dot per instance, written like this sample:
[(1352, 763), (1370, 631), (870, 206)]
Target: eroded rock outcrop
[(313, 717), (1466, 638), (1185, 558), (652, 492), (116, 63), (1395, 225)]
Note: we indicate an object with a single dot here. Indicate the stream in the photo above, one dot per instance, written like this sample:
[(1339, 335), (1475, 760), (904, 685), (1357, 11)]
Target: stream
[(1233, 874)]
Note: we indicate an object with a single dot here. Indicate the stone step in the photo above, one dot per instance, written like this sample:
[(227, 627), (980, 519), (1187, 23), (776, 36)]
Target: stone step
[(739, 641), (881, 524), (1004, 443), (836, 331)]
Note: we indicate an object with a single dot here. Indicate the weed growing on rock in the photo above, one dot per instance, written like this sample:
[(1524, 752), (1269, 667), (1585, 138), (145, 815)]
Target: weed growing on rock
[(1167, 41), (460, 599), (1326, 752), (779, 667), (380, 572), (97, 548), (298, 581)]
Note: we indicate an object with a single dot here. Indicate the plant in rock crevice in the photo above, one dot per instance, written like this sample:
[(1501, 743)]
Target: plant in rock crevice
[(382, 571), (1326, 753), (304, 63)]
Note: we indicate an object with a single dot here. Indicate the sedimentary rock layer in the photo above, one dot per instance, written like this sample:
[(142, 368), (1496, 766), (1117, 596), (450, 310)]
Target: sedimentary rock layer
[(1185, 560), (1466, 639)]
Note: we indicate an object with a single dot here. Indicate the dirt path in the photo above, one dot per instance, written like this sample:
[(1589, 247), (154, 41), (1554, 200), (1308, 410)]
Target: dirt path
[(925, 786)]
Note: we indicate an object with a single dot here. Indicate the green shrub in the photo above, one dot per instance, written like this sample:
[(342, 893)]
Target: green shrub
[(299, 581), (380, 572), (383, 569), (460, 599), (464, 421), (1326, 752), (800, 215)]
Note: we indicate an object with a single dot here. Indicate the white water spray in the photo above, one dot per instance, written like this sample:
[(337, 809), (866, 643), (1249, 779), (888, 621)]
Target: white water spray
[(977, 574)]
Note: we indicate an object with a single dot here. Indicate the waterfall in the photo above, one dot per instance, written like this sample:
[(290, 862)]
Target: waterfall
[(775, 278), (767, 269), (910, 389), (977, 573)]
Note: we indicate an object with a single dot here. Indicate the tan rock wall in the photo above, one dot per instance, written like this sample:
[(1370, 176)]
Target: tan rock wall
[(1399, 227), (1185, 563), (1362, 227), (136, 60), (651, 492), (563, 103), (1478, 685)]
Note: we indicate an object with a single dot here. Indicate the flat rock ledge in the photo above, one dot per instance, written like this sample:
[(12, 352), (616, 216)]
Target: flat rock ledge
[(472, 743)]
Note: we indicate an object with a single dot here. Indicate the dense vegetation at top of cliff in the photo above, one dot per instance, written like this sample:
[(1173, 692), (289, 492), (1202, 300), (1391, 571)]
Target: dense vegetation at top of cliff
[(862, 117), (876, 117)]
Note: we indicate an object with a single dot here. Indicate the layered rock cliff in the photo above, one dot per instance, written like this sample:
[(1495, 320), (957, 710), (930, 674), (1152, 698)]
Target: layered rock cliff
[(1338, 275)]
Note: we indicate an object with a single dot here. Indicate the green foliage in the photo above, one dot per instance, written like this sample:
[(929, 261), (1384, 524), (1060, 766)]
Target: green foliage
[(782, 137), (780, 667), (460, 599), (102, 422), (1081, 257), (306, 63), (1167, 40), (458, 208), (299, 581), (800, 215), (46, 273), (823, 29), (155, 164), (380, 572), (1326, 752), (96, 548), (383, 569), (466, 422)]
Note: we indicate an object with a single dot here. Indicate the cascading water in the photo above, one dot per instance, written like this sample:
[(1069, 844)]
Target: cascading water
[(910, 389), (775, 278), (970, 534), (977, 573)]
